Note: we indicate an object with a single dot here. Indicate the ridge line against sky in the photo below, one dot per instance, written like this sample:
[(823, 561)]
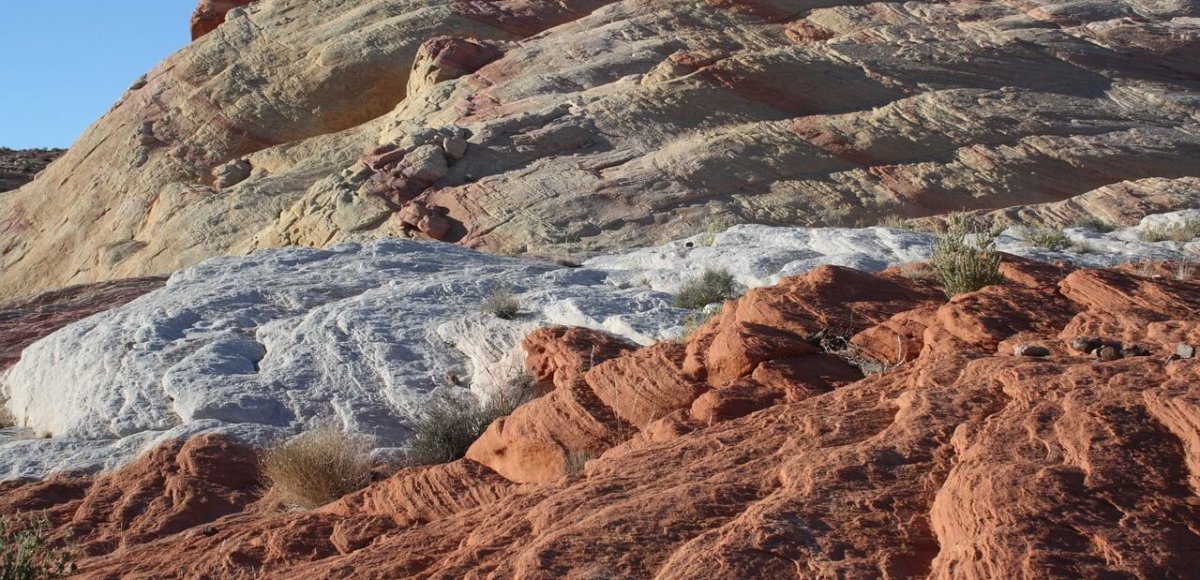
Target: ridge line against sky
[(64, 63)]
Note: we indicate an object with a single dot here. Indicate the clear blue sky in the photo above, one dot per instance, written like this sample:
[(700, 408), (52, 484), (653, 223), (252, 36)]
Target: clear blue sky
[(63, 63)]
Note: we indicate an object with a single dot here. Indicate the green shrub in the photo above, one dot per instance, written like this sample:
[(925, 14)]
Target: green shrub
[(26, 552), (713, 286), (1089, 222), (318, 467), (502, 303), (1047, 238), (449, 425), (1182, 232), (962, 266)]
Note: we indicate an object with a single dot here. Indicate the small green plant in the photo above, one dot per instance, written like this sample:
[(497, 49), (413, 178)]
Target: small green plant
[(1095, 224), (1181, 232), (713, 286), (1047, 238), (963, 265), (449, 425), (26, 552), (502, 303), (317, 467)]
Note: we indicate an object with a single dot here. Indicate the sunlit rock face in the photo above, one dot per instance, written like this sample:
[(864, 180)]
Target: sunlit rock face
[(594, 125)]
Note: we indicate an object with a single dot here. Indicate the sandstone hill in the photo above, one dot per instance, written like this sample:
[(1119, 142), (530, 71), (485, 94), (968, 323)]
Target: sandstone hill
[(538, 125), (751, 450), (18, 167)]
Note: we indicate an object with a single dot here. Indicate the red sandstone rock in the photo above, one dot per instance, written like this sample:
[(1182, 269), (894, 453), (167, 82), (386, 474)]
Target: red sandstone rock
[(963, 462)]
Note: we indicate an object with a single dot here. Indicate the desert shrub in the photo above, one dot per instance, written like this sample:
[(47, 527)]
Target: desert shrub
[(1047, 238), (963, 265), (711, 287), (1095, 224), (915, 271), (502, 303), (449, 425), (6, 418), (1181, 232), (317, 467), (26, 552), (711, 230)]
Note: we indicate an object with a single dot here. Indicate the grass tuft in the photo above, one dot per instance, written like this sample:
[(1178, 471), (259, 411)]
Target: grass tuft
[(502, 303), (317, 467), (450, 425), (713, 286), (1047, 239), (1095, 224)]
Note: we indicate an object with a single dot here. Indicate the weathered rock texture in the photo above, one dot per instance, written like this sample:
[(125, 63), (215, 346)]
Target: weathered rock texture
[(610, 123), (743, 452), (210, 14), (24, 322), (18, 167)]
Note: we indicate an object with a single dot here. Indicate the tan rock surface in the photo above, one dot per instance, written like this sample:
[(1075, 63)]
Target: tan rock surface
[(965, 462), (614, 123)]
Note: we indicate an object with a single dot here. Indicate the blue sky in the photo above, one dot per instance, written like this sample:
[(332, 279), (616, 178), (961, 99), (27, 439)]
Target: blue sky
[(63, 63)]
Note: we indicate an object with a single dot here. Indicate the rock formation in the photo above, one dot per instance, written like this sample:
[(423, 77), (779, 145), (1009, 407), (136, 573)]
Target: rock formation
[(751, 449), (282, 340), (607, 123), (19, 167)]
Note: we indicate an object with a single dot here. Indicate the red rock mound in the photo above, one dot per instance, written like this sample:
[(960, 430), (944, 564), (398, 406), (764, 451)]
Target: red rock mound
[(757, 449)]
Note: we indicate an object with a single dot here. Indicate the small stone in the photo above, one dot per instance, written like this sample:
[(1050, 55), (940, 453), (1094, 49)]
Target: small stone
[(1109, 352), (232, 173), (1088, 344), (1034, 350), (1185, 350), (455, 147)]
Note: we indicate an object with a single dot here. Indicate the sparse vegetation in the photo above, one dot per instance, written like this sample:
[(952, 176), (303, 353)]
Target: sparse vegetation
[(695, 320), (965, 265), (502, 303), (318, 467), (1095, 224), (897, 223), (1185, 269), (27, 552), (711, 230), (1047, 238), (1181, 232), (577, 460), (916, 271), (1145, 268), (836, 341), (713, 286), (1083, 247), (450, 425), (6, 417)]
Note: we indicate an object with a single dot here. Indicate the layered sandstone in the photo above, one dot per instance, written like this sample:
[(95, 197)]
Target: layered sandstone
[(610, 123), (745, 451), (18, 167)]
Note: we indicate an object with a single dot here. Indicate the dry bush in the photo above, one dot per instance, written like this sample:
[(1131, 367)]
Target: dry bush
[(1185, 269), (713, 286), (27, 553), (502, 303), (965, 266), (1047, 238), (449, 425), (317, 467), (1096, 224), (1182, 232)]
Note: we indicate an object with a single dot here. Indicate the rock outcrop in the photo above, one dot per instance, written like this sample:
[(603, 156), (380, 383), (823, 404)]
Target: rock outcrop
[(24, 322), (739, 452), (210, 14), (282, 340), (18, 167), (610, 123)]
